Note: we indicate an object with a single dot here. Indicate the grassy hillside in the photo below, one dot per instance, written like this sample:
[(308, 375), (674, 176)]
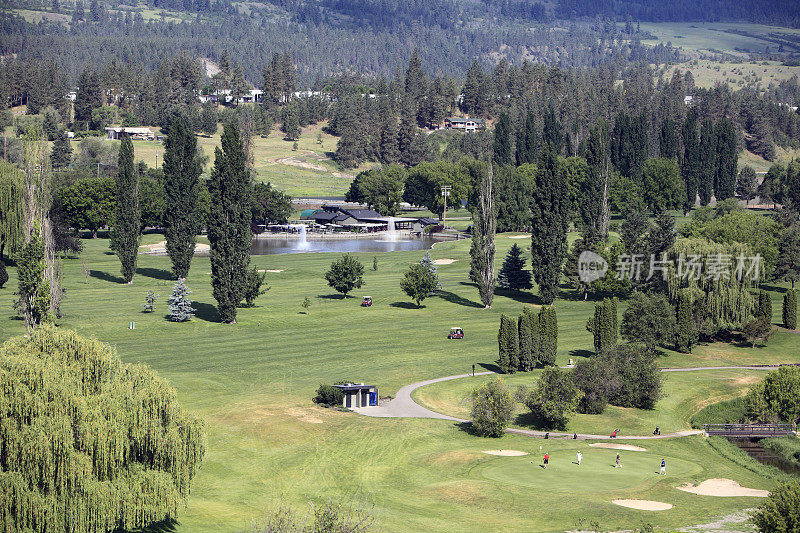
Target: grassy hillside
[(252, 382)]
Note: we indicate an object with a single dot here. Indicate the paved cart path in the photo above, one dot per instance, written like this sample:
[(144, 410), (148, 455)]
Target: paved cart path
[(404, 406)]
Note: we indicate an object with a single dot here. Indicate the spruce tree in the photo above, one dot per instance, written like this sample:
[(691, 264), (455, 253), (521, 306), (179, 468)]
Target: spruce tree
[(548, 335), (501, 149), (549, 221), (790, 309), (182, 169), (61, 155), (180, 306), (229, 224), (685, 331), (513, 274), (527, 143), (528, 332), (127, 226), (707, 161)]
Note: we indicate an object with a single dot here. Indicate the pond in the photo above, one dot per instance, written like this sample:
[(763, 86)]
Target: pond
[(298, 245)]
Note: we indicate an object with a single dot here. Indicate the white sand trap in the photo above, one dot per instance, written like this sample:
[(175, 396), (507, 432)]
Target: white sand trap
[(722, 487), (611, 446), (643, 505), (520, 237), (444, 261), (160, 248), (506, 453), (272, 270)]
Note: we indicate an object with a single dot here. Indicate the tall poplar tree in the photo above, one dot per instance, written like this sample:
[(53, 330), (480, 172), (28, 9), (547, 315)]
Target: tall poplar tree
[(484, 224), (549, 222), (527, 142), (529, 339), (548, 335), (182, 169), (127, 225), (596, 188), (229, 224), (727, 160), (501, 150), (690, 163), (707, 161)]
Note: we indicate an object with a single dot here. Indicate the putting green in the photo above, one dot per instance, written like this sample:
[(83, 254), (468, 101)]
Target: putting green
[(595, 474)]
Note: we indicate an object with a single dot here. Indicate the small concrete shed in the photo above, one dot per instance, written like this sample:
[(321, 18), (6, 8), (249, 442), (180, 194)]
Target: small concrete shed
[(358, 394)]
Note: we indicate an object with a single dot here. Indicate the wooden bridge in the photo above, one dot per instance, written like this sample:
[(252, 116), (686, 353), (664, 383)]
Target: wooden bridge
[(750, 430)]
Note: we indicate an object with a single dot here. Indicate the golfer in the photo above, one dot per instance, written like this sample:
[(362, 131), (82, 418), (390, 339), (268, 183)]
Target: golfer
[(546, 459), (618, 462), (579, 457), (663, 467)]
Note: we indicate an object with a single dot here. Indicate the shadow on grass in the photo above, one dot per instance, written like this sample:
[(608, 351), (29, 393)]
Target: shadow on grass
[(466, 427), (456, 299), (333, 296), (164, 526), (491, 367), (155, 273), (206, 312), (405, 305), (524, 297), (105, 276), (531, 421), (774, 288), (581, 353)]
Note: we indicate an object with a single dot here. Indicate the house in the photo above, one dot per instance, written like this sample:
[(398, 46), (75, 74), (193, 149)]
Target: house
[(464, 124), (358, 394), (364, 220), (141, 134)]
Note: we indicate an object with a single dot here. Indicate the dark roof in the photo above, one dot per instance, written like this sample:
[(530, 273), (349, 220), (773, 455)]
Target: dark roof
[(325, 215), (361, 214), (428, 221), (354, 386)]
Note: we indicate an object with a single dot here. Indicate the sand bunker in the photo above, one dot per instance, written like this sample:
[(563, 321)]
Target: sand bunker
[(610, 446), (272, 270), (722, 487), (506, 453), (643, 505), (444, 261), (160, 248), (520, 237)]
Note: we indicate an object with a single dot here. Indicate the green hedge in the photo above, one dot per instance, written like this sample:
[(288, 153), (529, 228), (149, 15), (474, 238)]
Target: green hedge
[(727, 412)]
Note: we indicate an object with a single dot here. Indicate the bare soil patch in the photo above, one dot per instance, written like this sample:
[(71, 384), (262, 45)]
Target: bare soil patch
[(506, 453), (726, 488), (611, 446), (643, 505)]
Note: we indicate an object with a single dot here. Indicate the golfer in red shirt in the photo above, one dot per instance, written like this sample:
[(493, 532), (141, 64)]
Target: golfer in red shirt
[(546, 459)]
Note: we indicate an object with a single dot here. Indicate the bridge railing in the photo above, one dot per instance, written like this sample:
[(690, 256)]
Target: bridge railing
[(749, 430)]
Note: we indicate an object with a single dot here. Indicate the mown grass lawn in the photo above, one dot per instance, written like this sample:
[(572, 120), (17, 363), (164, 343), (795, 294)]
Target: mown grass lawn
[(252, 383)]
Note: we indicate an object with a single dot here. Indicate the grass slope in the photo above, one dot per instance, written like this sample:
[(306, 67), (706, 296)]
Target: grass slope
[(252, 383)]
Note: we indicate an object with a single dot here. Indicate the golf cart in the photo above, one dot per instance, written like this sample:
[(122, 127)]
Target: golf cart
[(456, 333), (367, 301)]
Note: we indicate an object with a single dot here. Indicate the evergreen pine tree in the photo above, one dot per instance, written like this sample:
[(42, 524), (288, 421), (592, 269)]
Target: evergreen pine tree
[(552, 138), (790, 309), (548, 335), (208, 118), (685, 332), (707, 162), (291, 124), (389, 152), (501, 150), (182, 169), (747, 183), (407, 131), (527, 143), (513, 274), (88, 97), (61, 155), (180, 306), (549, 222), (127, 225), (229, 224)]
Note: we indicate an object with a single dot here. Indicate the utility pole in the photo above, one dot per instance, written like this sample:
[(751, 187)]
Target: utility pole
[(445, 194)]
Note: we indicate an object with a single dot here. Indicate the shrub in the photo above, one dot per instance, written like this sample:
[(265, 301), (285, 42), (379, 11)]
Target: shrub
[(492, 408), (780, 513), (329, 395), (790, 309), (555, 398), (776, 398), (332, 517)]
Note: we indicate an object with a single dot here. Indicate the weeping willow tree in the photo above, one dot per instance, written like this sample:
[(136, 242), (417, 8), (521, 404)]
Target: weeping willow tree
[(88, 443), (10, 212), (721, 294)]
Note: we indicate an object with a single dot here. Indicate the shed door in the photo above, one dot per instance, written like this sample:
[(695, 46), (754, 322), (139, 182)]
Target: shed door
[(348, 399), (373, 398)]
